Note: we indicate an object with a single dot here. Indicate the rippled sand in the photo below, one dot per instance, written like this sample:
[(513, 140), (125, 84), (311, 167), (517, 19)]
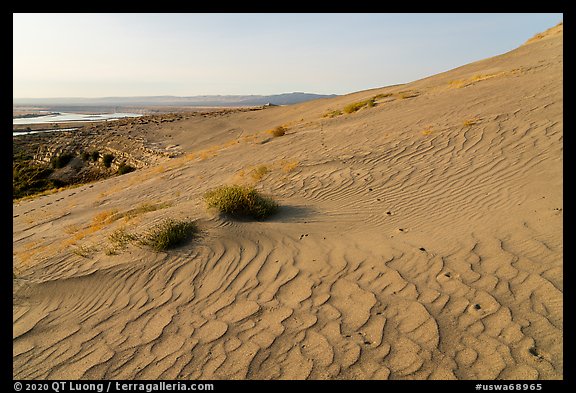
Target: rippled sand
[(418, 239)]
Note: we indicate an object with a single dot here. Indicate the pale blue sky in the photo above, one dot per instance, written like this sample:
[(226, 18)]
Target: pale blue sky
[(101, 55)]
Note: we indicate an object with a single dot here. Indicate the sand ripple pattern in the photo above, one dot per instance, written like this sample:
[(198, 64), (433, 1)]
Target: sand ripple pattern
[(397, 254)]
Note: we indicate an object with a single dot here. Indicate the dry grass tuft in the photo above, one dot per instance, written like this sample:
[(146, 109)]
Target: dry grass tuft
[(278, 131), (240, 201), (356, 106), (259, 172), (471, 122), (169, 234)]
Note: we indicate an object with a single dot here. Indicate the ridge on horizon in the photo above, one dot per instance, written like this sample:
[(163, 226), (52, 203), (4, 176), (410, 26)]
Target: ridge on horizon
[(252, 99)]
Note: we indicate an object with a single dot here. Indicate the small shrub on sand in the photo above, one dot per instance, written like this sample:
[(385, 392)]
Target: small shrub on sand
[(125, 168), (169, 234), (355, 106), (259, 172), (428, 130), (107, 160), (95, 155), (240, 201), (278, 131), (408, 94), (334, 113), (288, 167), (470, 122)]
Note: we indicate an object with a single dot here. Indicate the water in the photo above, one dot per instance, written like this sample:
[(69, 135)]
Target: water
[(72, 117), (16, 133)]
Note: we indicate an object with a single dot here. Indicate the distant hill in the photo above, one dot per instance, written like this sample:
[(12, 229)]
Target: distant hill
[(206, 100)]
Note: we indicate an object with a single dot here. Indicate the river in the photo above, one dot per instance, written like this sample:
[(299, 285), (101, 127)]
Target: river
[(72, 117)]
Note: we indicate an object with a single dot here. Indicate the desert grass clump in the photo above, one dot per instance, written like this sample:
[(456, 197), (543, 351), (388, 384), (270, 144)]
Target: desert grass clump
[(259, 172), (408, 94), (278, 131), (470, 122), (332, 113), (240, 201), (169, 234), (356, 106)]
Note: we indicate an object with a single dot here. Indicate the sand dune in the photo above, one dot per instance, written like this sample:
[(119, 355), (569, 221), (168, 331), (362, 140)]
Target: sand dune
[(420, 238)]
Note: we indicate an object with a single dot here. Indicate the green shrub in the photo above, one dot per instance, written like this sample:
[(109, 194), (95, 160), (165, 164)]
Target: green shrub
[(240, 201), (125, 168), (29, 178), (61, 160), (169, 234), (95, 155), (107, 160)]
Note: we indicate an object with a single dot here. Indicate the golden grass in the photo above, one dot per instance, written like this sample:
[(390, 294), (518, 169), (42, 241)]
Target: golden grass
[(332, 113), (259, 172), (457, 84), (428, 131), (240, 201), (480, 77), (407, 94), (471, 122), (356, 106), (289, 166), (277, 131)]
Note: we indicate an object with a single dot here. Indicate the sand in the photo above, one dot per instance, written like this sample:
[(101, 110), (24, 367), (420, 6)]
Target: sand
[(420, 238)]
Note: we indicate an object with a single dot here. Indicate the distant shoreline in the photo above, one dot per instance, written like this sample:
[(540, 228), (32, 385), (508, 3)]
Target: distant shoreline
[(29, 115)]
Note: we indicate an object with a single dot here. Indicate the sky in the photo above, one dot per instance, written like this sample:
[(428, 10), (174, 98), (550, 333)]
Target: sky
[(120, 55)]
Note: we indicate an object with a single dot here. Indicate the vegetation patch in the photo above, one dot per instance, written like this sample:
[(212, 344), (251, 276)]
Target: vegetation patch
[(107, 160), (382, 95), (408, 94), (240, 201), (29, 179), (125, 168), (169, 234), (61, 160), (259, 172), (332, 113), (471, 122), (356, 106), (427, 131), (278, 131), (289, 166)]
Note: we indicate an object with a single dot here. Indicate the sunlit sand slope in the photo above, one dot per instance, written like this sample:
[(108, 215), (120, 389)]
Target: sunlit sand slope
[(418, 238)]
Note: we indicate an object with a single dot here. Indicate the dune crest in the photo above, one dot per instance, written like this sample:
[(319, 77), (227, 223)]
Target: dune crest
[(419, 236)]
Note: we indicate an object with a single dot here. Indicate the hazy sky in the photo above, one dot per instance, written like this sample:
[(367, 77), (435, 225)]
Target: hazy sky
[(98, 55)]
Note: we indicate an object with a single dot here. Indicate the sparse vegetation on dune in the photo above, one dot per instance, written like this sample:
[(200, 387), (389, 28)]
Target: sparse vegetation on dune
[(240, 201), (61, 160), (278, 131), (471, 122), (332, 113), (408, 94), (259, 172), (169, 234), (356, 106)]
